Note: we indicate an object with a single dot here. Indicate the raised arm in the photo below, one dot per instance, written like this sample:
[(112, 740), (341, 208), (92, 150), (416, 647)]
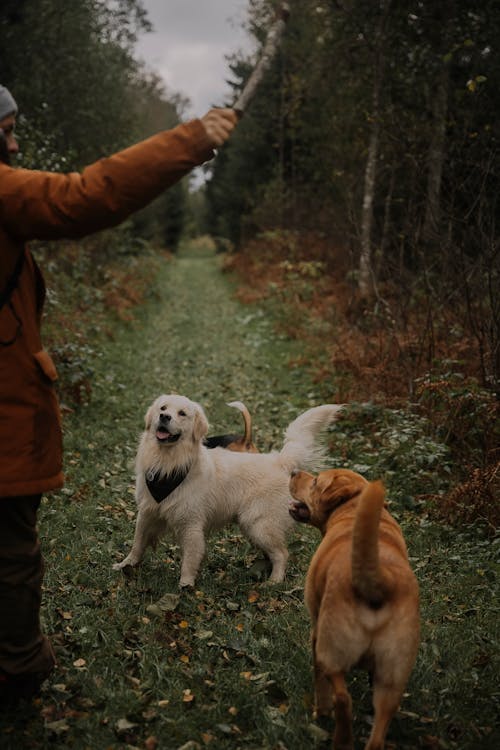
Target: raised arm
[(45, 205)]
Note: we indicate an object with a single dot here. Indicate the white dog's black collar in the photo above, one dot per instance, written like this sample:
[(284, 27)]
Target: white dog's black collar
[(161, 488)]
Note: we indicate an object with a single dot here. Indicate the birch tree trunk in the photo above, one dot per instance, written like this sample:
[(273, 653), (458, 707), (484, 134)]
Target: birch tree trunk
[(366, 281), (365, 260)]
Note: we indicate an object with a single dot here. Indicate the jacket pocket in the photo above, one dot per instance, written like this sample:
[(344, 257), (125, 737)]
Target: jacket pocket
[(46, 364)]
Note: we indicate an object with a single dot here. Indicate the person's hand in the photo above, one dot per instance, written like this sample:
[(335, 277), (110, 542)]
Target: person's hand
[(219, 124)]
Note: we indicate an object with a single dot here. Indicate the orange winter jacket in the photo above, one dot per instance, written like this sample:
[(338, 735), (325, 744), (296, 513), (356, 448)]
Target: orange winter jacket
[(47, 206)]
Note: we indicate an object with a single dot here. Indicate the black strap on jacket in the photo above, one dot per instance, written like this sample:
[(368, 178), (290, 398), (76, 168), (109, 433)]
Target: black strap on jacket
[(12, 282)]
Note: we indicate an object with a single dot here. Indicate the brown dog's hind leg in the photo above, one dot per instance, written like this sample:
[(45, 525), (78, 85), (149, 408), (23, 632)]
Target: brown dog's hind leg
[(385, 702), (342, 703)]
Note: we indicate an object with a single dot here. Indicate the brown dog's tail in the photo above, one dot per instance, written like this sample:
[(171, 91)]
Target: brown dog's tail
[(367, 578), (247, 438)]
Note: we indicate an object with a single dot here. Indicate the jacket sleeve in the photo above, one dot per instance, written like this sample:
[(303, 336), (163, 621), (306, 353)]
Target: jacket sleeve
[(45, 205)]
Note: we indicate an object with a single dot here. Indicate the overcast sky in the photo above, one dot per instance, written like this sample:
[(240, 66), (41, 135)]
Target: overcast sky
[(188, 46)]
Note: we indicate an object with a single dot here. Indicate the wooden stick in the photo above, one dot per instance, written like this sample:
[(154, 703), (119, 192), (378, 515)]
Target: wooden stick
[(268, 53)]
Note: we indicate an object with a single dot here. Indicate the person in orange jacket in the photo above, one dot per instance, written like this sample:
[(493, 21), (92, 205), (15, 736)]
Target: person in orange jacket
[(37, 205)]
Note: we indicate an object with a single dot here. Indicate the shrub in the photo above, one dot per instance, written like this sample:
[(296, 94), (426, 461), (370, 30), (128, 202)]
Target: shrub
[(394, 445), (464, 415), (474, 500)]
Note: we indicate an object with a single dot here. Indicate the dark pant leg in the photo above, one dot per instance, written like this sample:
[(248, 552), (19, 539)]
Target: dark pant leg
[(23, 648)]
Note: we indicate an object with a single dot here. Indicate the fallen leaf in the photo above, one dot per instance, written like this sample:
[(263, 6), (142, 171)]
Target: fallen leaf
[(168, 602), (259, 677), (123, 726), (408, 714), (224, 728), (276, 716), (154, 609), (203, 634), (60, 687), (57, 727), (321, 735), (79, 663)]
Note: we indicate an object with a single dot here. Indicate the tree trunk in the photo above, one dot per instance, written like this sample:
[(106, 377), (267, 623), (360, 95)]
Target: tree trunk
[(365, 260), (384, 240), (436, 158), (366, 280)]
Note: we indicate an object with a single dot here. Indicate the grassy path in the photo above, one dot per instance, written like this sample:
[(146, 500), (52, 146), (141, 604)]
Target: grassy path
[(226, 666), (196, 339)]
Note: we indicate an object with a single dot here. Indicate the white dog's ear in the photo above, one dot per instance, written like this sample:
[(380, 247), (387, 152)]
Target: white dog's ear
[(148, 419), (200, 425)]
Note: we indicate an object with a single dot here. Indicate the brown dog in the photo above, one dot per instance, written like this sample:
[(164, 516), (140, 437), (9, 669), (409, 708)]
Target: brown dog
[(362, 597), (238, 443)]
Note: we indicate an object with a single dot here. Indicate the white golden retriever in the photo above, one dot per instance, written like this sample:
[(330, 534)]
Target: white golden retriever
[(188, 489)]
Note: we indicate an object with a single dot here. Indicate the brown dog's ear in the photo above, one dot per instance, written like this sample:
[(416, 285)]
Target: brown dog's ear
[(338, 492), (200, 425)]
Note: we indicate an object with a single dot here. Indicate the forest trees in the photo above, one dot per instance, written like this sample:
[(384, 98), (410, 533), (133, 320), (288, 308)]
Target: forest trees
[(81, 92), (376, 126), (379, 123)]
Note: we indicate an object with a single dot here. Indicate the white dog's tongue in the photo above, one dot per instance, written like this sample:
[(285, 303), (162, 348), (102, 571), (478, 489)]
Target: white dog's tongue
[(162, 434)]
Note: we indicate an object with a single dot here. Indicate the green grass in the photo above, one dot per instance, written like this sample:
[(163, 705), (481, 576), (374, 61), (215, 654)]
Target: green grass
[(228, 665)]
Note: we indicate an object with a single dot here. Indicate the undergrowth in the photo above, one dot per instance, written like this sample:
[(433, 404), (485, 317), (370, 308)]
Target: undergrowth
[(375, 353), (90, 285)]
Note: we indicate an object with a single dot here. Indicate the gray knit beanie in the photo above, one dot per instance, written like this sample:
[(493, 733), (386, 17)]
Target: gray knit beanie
[(8, 105)]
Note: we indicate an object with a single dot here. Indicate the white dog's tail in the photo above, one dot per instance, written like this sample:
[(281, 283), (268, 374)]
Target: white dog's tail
[(301, 449)]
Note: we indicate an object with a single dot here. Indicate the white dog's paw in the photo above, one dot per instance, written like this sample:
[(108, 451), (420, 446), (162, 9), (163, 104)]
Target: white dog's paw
[(276, 578), (186, 582), (126, 563)]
